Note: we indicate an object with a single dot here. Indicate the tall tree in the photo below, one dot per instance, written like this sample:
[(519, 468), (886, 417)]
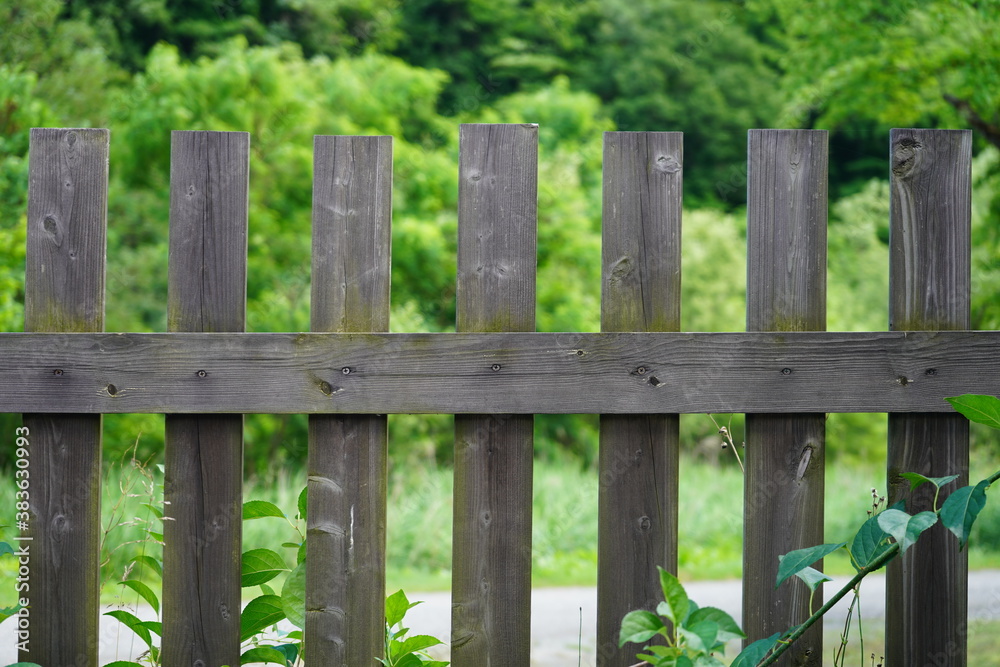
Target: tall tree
[(897, 62)]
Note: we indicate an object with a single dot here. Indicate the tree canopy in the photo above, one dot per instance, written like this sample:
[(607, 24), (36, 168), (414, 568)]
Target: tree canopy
[(285, 70)]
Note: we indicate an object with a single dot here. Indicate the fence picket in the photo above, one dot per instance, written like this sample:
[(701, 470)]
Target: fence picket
[(345, 570), (64, 291), (786, 291), (496, 372), (638, 468), (203, 483), (929, 289), (491, 568)]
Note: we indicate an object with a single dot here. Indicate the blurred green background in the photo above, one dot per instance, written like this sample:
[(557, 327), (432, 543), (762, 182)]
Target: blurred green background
[(285, 70)]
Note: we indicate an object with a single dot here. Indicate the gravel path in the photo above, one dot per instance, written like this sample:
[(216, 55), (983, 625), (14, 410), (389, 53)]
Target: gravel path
[(563, 620)]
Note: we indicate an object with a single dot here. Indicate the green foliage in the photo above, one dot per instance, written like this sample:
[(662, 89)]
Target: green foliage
[(881, 538), (870, 543), (902, 62), (978, 408), (795, 562), (692, 635), (400, 650)]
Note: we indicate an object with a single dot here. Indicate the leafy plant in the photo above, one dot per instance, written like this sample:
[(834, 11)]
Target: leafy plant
[(400, 650), (693, 634), (693, 642), (259, 567)]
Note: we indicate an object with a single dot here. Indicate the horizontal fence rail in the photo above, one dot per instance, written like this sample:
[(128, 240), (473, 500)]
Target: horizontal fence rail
[(447, 373), (639, 373)]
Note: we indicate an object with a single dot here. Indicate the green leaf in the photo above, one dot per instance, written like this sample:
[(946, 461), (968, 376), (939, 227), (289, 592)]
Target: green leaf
[(260, 566), (290, 651), (149, 562), (661, 655), (978, 408), (707, 661), (263, 654), (419, 643), (755, 652), (869, 543), (639, 626), (916, 480), (155, 509), (5, 548), (133, 623), (303, 502), (293, 596), (396, 606), (905, 528), (408, 660), (154, 626), (259, 509), (116, 663), (675, 596), (259, 614), (797, 560), (701, 636), (812, 577), (145, 591), (728, 629), (961, 508)]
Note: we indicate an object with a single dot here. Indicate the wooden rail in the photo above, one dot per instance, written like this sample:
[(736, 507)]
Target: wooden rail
[(639, 373), (551, 373)]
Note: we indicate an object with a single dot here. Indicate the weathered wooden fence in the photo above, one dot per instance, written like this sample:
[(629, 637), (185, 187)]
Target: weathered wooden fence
[(494, 374)]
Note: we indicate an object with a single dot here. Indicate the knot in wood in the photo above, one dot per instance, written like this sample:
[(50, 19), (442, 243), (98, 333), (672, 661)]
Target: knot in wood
[(668, 164)]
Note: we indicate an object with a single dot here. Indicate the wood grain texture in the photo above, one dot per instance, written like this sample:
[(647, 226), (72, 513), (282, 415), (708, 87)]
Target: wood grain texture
[(491, 564), (64, 291), (638, 462), (786, 291), (929, 283), (447, 373), (498, 196), (345, 571), (203, 481)]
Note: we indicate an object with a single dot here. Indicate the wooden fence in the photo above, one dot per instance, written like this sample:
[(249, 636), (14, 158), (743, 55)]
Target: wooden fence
[(494, 374)]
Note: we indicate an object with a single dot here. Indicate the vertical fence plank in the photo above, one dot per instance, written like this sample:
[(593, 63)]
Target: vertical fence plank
[(786, 291), (641, 285), (491, 569), (203, 485), (64, 291), (345, 570), (929, 278)]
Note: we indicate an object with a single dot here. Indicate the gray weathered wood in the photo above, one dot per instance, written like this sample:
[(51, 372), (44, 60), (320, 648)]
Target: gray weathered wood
[(929, 288), (491, 564), (641, 289), (786, 291), (203, 482), (64, 291), (594, 373), (345, 571)]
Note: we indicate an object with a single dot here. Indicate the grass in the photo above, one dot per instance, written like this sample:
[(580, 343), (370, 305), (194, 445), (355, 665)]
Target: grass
[(564, 549), (564, 534)]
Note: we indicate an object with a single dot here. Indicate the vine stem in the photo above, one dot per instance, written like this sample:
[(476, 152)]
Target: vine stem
[(877, 564)]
